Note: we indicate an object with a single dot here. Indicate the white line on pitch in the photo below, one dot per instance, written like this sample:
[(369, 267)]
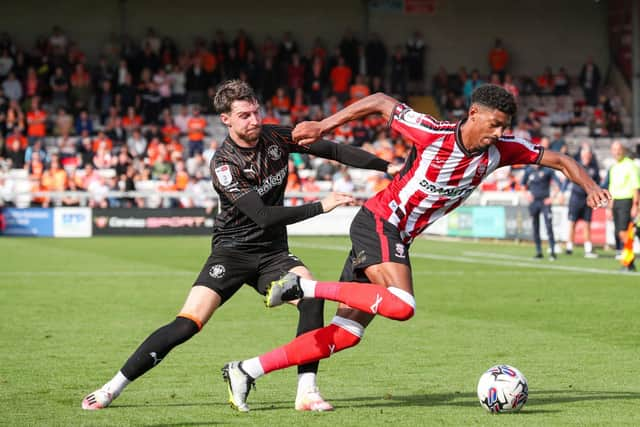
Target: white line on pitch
[(483, 261)]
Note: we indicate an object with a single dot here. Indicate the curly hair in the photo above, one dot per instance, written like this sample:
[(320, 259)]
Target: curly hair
[(495, 97), (229, 91)]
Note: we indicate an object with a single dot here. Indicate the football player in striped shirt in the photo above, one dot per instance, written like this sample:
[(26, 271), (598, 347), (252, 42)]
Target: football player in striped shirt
[(445, 165)]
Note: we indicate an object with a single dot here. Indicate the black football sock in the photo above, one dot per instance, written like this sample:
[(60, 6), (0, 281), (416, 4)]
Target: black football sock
[(311, 317), (157, 346)]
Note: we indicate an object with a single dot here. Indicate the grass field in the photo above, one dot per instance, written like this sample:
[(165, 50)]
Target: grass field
[(72, 311)]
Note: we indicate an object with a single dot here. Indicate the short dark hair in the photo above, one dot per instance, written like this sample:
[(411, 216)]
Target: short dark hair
[(229, 91), (495, 97)]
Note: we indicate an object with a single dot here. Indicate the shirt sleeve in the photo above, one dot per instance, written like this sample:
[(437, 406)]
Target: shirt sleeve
[(228, 180), (345, 154), (419, 128), (266, 216), (516, 151)]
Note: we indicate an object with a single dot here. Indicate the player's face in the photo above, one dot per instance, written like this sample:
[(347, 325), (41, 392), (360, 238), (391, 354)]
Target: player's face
[(486, 126), (244, 122)]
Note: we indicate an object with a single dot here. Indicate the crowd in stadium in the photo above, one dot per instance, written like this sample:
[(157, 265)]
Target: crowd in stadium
[(140, 118)]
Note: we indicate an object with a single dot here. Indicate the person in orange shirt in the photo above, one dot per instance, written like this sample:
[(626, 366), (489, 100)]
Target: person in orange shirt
[(498, 59), (36, 121), (17, 135), (196, 126), (100, 138), (167, 185), (340, 77), (281, 101), (299, 110), (270, 117), (170, 131), (131, 120), (35, 166), (359, 89), (53, 179), (181, 177)]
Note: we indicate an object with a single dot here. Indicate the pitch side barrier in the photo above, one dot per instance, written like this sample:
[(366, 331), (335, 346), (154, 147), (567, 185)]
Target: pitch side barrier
[(468, 221)]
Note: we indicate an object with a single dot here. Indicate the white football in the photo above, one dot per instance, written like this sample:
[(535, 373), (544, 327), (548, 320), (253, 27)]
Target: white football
[(503, 388)]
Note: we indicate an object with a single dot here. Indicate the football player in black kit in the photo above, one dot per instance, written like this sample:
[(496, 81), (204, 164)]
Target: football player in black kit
[(249, 244)]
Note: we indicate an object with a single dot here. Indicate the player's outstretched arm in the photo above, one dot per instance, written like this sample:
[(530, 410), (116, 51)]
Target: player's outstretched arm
[(596, 196), (267, 216), (308, 132)]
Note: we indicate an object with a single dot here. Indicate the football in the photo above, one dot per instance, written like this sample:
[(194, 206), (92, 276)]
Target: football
[(503, 388)]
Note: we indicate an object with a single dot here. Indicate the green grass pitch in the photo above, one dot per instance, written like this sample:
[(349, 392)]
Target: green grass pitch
[(73, 310)]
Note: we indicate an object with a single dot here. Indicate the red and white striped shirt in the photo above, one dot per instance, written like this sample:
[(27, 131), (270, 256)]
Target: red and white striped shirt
[(440, 173)]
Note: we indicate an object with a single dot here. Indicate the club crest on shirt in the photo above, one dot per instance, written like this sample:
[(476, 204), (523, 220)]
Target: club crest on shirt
[(400, 250), (217, 271), (274, 152), (224, 175), (411, 116)]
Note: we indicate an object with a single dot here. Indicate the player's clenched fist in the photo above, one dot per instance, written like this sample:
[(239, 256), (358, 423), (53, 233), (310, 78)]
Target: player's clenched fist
[(306, 133)]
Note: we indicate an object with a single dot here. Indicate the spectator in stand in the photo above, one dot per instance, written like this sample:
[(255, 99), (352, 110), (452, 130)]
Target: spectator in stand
[(348, 48), (545, 82), (196, 82), (127, 95), (578, 118), (440, 86), (53, 179), (399, 73), (32, 84), (376, 54), (268, 79), (36, 121), (361, 133), (101, 138), (12, 87), (590, 81), (83, 122), (299, 109), (295, 73), (510, 86), (62, 122), (6, 63), (340, 77), (80, 90), (559, 144), (416, 49), (316, 81), (498, 59), (59, 88), (71, 200), (614, 125), (197, 165), (132, 120), (270, 116), (196, 127), (281, 102), (471, 84), (359, 89), (561, 83), (343, 182), (210, 151), (14, 154)]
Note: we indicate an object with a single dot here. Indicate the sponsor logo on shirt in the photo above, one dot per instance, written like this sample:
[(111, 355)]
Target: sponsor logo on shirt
[(449, 192), (274, 152), (272, 181)]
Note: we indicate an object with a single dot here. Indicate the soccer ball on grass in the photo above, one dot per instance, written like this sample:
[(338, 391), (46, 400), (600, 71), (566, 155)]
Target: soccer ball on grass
[(503, 388)]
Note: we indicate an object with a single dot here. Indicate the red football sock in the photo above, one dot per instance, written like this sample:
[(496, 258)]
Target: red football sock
[(310, 347), (374, 299)]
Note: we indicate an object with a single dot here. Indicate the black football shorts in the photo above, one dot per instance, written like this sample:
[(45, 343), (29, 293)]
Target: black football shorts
[(373, 241), (226, 270)]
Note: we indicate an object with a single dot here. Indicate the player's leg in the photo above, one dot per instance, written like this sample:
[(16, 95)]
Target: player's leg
[(573, 217), (535, 227), (384, 259), (198, 308), (218, 281), (588, 246), (548, 223)]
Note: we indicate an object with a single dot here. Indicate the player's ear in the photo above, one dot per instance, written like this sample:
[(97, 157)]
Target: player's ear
[(473, 111), (225, 119)]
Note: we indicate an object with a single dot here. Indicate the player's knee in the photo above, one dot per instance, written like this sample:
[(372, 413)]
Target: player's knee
[(348, 333), (404, 306), (181, 329)]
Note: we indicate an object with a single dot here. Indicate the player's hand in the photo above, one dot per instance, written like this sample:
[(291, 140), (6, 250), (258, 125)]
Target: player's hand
[(335, 199), (598, 198), (306, 133), (393, 169)]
